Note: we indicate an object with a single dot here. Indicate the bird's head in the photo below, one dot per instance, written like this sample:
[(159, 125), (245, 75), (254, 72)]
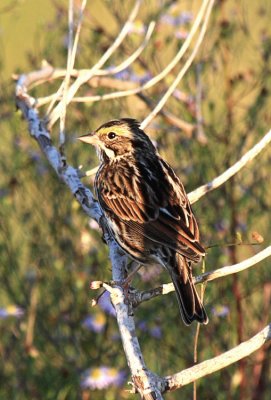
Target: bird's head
[(118, 138)]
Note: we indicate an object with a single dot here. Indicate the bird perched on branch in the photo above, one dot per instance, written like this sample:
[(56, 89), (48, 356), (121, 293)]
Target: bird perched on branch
[(146, 208)]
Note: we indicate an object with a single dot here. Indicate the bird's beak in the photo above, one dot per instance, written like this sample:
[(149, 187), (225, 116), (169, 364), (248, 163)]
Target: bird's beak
[(90, 138)]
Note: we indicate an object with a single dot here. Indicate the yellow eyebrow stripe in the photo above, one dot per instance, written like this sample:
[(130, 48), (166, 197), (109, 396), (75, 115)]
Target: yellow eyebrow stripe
[(123, 131)]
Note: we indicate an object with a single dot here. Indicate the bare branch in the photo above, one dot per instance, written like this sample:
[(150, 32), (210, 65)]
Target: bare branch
[(112, 83), (145, 382), (67, 77), (207, 367), (82, 78), (57, 74), (200, 131), (219, 180), (86, 75), (72, 49), (125, 64), (182, 72), (139, 297), (233, 269)]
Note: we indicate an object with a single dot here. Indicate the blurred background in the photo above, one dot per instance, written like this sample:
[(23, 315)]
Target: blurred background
[(53, 344)]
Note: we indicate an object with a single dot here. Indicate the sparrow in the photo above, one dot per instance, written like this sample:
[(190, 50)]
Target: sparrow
[(146, 208)]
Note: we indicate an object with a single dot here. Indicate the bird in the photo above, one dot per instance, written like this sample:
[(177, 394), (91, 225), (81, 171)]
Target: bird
[(146, 208)]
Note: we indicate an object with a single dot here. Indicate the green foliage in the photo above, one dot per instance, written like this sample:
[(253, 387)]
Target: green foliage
[(49, 253)]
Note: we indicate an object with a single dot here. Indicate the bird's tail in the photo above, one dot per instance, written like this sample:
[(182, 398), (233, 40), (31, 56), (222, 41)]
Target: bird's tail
[(191, 306)]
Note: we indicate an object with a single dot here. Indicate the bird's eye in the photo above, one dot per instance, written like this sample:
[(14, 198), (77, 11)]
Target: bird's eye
[(111, 135)]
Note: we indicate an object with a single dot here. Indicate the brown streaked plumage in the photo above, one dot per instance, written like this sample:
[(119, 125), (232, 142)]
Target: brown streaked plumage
[(147, 209)]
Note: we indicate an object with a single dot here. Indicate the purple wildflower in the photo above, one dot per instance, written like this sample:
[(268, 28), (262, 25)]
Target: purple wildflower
[(185, 17), (142, 325), (176, 20), (221, 225), (156, 332), (95, 323), (102, 377), (124, 75), (138, 77), (168, 19), (11, 311), (220, 311)]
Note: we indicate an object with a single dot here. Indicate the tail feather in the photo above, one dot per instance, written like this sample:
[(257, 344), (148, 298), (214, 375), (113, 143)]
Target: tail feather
[(191, 307)]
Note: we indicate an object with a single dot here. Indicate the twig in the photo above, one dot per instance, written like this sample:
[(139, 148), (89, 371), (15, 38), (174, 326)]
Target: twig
[(207, 367), (196, 339), (182, 72), (82, 78), (200, 131), (86, 75), (72, 49), (104, 81), (34, 297), (67, 78), (233, 269), (139, 297), (196, 194), (147, 383), (125, 64)]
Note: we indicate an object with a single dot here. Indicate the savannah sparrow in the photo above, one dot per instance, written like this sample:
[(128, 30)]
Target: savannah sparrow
[(147, 209)]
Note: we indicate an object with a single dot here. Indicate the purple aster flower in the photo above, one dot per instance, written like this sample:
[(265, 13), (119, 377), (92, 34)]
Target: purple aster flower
[(221, 225), (142, 325), (156, 332), (106, 305), (185, 17), (95, 323), (242, 226), (176, 20), (168, 19), (102, 377), (11, 311), (124, 75), (220, 311), (35, 155), (129, 74)]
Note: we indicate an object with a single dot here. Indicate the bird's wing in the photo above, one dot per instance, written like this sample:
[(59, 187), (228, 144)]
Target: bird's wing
[(166, 218)]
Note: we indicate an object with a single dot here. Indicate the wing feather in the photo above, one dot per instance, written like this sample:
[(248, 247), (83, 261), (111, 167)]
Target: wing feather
[(166, 218)]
